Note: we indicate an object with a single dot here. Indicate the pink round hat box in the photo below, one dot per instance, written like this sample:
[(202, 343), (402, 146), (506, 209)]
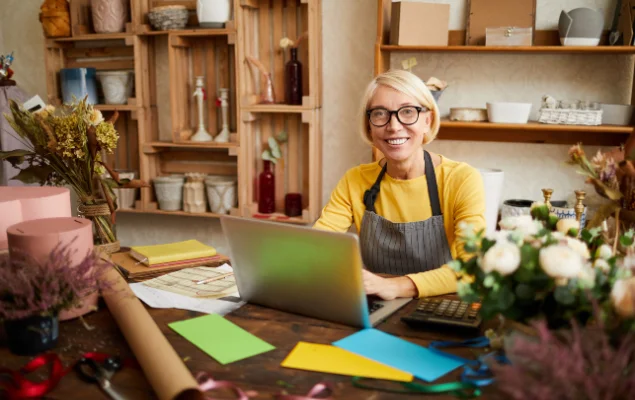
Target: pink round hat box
[(39, 237), (25, 203)]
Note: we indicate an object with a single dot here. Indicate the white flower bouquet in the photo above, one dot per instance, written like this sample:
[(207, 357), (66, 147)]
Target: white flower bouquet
[(539, 266)]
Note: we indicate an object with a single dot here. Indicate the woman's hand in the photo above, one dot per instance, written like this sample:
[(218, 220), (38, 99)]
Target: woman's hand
[(388, 288)]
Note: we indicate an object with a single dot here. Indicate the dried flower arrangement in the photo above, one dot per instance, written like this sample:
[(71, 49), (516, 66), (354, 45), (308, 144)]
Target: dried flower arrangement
[(64, 147), (577, 364), (535, 267), (31, 288)]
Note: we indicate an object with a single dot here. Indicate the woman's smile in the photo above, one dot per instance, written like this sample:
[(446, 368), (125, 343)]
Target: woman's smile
[(396, 142)]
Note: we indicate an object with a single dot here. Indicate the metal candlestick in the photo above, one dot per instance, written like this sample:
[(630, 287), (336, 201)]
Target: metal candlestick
[(547, 194)]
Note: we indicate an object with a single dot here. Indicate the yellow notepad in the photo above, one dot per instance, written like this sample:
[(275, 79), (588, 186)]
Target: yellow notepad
[(170, 252)]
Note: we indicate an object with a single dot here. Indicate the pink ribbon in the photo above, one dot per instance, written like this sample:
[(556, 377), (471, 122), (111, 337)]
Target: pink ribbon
[(207, 383)]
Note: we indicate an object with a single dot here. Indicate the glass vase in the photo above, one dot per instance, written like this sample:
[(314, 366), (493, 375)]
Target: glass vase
[(266, 190), (293, 80)]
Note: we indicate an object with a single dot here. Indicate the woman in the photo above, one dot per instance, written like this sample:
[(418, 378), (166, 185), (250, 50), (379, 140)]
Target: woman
[(408, 206)]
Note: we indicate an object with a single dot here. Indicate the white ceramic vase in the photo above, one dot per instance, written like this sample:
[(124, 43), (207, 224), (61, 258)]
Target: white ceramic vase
[(169, 191), (194, 193), (493, 183), (116, 85), (213, 13), (221, 193), (109, 16)]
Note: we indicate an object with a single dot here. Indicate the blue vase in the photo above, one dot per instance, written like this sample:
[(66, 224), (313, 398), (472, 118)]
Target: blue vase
[(79, 82)]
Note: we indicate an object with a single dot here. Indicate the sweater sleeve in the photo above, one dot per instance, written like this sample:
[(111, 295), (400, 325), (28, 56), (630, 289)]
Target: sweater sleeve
[(337, 215), (469, 208)]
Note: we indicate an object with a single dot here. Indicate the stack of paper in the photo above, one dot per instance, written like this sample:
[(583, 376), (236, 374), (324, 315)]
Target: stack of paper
[(134, 271), (186, 282)]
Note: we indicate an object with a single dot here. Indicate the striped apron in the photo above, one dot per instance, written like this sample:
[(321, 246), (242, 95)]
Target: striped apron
[(404, 248)]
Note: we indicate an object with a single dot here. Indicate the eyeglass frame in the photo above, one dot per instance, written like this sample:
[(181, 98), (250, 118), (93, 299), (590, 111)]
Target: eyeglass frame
[(419, 109)]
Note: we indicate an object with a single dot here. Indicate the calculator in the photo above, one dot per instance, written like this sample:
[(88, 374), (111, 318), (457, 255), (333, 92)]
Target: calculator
[(446, 313)]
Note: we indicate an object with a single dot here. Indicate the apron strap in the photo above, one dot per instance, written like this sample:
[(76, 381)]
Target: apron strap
[(371, 194), (433, 189)]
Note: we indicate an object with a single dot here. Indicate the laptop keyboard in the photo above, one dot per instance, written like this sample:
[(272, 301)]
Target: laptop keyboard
[(373, 306)]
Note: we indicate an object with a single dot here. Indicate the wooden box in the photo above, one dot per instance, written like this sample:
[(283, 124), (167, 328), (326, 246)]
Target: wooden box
[(508, 36), (419, 24)]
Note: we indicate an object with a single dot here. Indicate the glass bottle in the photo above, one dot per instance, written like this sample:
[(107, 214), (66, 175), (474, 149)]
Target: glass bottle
[(266, 190), (293, 79)]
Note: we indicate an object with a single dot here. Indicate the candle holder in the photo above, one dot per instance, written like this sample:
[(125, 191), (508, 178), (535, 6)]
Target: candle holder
[(293, 204), (201, 134), (223, 135)]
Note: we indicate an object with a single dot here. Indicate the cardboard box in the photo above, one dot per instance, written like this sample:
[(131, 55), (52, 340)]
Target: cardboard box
[(419, 24)]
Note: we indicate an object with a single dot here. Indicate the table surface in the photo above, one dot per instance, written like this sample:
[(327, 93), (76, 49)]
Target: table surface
[(261, 373)]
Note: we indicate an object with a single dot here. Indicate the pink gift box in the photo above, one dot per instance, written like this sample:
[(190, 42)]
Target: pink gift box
[(25, 203)]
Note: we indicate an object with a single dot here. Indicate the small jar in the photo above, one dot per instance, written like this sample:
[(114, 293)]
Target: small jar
[(293, 204)]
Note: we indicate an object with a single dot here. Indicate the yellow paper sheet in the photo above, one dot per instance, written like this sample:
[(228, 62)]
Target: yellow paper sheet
[(334, 360)]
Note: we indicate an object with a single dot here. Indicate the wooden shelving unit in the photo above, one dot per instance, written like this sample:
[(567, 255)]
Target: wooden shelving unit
[(545, 42), (219, 55)]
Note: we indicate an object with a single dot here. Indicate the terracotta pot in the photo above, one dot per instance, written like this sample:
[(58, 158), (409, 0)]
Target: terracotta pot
[(109, 16)]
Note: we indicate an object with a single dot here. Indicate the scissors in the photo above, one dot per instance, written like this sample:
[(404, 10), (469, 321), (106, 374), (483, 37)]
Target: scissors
[(100, 373)]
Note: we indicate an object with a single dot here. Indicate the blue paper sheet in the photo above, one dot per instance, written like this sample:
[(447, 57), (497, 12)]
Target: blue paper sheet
[(401, 354)]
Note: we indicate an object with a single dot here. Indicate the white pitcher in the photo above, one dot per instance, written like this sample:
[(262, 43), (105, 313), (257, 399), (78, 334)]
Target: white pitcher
[(213, 13)]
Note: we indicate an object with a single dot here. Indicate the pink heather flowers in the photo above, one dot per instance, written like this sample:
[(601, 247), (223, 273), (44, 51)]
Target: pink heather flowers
[(580, 364), (29, 288)]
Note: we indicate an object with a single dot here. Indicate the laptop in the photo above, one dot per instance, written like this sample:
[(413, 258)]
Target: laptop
[(302, 270)]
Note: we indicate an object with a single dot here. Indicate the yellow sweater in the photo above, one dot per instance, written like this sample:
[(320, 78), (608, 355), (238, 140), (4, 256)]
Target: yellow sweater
[(461, 195)]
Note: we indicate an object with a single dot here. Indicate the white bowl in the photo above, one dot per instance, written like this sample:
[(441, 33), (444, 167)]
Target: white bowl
[(508, 113)]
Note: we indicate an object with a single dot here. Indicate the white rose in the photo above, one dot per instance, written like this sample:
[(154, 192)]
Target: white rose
[(522, 223), (602, 265), (564, 225), (604, 252), (560, 261), (500, 236), (628, 262), (579, 246), (587, 276), (503, 257), (623, 297)]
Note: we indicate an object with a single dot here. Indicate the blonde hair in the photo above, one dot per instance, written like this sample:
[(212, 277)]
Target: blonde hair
[(408, 84)]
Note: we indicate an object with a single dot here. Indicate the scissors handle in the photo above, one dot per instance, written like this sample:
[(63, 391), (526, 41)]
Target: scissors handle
[(112, 393)]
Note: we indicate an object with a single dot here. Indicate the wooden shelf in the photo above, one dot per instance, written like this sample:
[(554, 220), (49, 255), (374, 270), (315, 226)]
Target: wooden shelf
[(115, 107), (515, 49), (96, 36), (176, 213), (534, 132), (275, 108), (198, 145)]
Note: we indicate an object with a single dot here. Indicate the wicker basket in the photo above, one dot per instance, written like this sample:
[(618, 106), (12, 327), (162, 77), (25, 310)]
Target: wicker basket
[(55, 18), (570, 116)]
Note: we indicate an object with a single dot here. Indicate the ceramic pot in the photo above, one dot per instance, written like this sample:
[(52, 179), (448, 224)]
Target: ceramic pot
[(213, 13), (32, 335), (78, 83), (580, 27), (221, 193), (564, 212), (116, 86), (126, 197), (194, 193), (109, 16), (493, 183), (169, 191)]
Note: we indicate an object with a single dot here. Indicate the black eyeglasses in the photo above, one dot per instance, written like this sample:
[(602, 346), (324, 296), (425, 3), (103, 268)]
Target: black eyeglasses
[(406, 115)]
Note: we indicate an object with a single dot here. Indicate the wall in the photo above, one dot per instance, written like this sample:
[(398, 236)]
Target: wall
[(349, 28)]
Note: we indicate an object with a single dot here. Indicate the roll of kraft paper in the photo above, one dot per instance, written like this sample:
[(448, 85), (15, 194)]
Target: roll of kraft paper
[(162, 366)]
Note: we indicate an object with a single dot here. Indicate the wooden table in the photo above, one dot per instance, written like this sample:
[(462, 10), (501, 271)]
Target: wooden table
[(261, 373)]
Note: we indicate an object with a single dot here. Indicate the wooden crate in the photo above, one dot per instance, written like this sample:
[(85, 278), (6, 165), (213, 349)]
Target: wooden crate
[(262, 24), (212, 57), (82, 20), (126, 155), (299, 171)]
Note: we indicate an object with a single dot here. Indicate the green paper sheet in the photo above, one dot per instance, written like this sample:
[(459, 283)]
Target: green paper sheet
[(221, 339)]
